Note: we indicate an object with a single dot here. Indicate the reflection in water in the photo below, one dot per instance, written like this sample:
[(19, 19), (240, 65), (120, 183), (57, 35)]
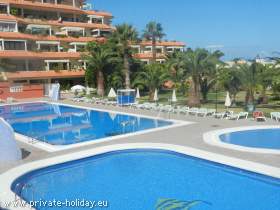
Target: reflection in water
[(63, 125)]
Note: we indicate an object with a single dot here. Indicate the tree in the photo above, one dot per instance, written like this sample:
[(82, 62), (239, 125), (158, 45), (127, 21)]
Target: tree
[(176, 67), (276, 78), (265, 75), (98, 58), (153, 32), (200, 65), (123, 36), (153, 77), (248, 77), (115, 80), (230, 80)]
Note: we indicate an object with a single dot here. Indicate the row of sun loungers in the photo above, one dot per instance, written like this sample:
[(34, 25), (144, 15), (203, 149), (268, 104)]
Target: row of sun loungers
[(201, 112), (94, 100)]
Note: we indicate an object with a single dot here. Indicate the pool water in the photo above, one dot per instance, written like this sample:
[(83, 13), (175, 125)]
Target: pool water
[(259, 138), (145, 179), (65, 125)]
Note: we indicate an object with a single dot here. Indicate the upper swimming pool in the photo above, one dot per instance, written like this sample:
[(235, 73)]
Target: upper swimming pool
[(58, 125), (256, 138), (148, 179)]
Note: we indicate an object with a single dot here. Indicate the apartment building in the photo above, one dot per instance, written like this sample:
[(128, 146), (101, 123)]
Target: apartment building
[(41, 41), (143, 50)]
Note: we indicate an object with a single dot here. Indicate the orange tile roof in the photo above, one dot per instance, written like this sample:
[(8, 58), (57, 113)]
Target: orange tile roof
[(7, 17), (64, 23), (55, 22), (55, 7), (43, 74), (98, 13), (16, 35), (15, 54), (164, 43), (148, 56)]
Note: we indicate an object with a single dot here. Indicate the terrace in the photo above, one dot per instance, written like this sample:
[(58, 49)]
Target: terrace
[(193, 133)]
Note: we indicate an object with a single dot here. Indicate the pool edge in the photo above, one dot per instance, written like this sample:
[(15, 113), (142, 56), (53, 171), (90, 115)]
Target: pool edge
[(8, 178), (212, 138), (56, 148)]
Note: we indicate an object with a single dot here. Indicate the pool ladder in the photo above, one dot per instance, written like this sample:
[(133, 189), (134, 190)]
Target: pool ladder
[(20, 187)]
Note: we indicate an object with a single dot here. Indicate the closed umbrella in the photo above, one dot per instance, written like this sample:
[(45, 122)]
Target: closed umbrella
[(156, 95), (137, 93), (228, 100), (112, 93), (174, 98), (78, 88)]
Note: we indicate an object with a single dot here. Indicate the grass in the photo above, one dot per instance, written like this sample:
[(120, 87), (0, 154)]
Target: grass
[(165, 98)]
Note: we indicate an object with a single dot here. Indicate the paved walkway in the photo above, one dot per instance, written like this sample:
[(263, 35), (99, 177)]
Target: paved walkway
[(189, 135)]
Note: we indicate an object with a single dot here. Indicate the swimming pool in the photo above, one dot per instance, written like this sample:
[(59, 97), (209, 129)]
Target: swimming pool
[(263, 139), (61, 126), (260, 138), (149, 179)]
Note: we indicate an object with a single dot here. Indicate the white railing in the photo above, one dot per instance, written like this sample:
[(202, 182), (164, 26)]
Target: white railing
[(16, 89)]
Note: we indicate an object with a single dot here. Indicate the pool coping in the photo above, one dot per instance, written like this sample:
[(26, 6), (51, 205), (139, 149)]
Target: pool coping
[(213, 138), (56, 148), (10, 176)]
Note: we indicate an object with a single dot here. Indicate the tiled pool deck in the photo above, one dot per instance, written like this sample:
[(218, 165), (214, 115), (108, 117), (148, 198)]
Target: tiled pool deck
[(188, 135)]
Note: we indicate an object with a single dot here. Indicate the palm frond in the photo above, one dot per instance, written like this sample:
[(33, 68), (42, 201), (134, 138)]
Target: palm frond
[(174, 204)]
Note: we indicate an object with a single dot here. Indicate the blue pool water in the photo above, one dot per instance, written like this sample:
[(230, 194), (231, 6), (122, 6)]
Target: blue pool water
[(65, 125), (259, 138), (142, 179)]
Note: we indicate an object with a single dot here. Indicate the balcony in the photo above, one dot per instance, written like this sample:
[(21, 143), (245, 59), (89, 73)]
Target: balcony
[(27, 75), (15, 45), (16, 35), (8, 25), (149, 56), (48, 46), (56, 6), (38, 55)]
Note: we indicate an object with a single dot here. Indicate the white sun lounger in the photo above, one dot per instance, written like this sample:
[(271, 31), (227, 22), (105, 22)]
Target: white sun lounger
[(182, 110), (238, 116), (275, 116), (222, 115), (193, 111), (202, 112)]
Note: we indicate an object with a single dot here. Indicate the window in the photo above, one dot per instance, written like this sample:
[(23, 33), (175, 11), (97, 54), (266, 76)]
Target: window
[(3, 9), (8, 27), (97, 20), (14, 45), (159, 50)]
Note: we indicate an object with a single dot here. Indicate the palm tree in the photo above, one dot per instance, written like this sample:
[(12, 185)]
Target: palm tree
[(248, 77), (265, 76), (123, 36), (176, 66), (200, 64), (154, 33), (99, 57), (230, 80), (153, 77)]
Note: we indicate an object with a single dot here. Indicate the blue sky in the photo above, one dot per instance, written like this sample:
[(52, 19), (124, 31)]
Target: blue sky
[(241, 28)]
